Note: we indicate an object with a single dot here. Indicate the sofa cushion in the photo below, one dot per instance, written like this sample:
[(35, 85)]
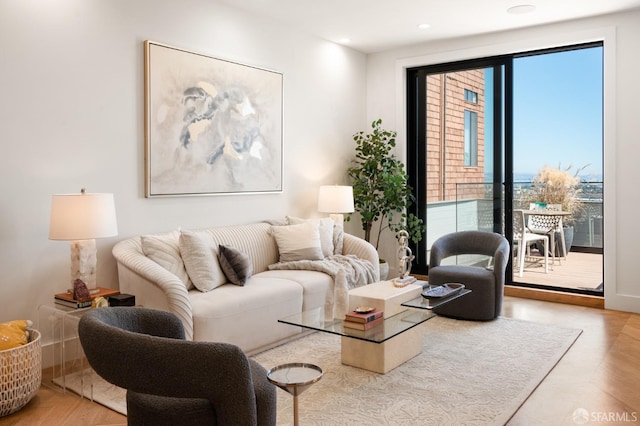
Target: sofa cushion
[(325, 230), (246, 316), (235, 265), (200, 259), (165, 251), (298, 242), (315, 285)]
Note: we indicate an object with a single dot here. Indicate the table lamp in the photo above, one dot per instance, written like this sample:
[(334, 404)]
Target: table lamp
[(81, 218), (336, 200)]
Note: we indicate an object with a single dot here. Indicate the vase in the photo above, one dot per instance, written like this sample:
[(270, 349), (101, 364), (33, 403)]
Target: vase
[(568, 240)]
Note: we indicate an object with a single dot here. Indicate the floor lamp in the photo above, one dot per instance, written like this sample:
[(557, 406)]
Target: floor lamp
[(81, 218)]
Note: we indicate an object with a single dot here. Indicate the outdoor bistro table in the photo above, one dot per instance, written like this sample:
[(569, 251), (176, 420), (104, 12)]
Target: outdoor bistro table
[(559, 214)]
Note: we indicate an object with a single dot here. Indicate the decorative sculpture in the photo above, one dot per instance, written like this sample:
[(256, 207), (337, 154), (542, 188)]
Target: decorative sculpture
[(405, 255)]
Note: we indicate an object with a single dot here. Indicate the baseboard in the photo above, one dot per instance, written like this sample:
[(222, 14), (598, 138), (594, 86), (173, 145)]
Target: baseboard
[(546, 295), (555, 296)]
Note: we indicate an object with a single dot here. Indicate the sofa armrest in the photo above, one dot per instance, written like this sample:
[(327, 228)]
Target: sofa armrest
[(363, 250), (151, 284)]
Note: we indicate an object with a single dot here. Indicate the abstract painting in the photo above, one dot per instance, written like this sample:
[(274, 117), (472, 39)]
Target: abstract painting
[(212, 126)]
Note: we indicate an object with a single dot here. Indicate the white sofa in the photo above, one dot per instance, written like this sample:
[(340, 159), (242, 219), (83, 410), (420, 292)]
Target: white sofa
[(243, 315)]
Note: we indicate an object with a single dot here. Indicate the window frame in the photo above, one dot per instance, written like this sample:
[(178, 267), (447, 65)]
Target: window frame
[(471, 96), (502, 136), (470, 138)]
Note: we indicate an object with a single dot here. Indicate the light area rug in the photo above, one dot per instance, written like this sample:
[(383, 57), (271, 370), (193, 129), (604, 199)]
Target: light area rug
[(469, 373)]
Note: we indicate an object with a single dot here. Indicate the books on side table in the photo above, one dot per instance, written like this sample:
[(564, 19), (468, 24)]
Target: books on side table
[(363, 319), (66, 299)]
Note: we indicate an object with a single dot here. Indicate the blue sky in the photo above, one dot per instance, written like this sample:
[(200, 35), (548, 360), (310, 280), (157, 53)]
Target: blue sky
[(558, 111)]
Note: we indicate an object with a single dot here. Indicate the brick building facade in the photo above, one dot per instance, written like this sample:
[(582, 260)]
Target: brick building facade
[(455, 105)]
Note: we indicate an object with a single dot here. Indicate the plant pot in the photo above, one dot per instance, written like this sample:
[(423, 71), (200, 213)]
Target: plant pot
[(384, 270), (568, 240)]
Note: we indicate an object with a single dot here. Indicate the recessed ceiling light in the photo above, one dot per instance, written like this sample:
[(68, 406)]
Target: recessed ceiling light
[(423, 26), (345, 40), (521, 9)]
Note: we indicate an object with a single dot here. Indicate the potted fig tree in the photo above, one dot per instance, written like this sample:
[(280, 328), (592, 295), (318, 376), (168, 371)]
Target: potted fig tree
[(381, 192)]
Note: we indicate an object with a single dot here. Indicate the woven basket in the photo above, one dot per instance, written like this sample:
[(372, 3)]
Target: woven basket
[(20, 374)]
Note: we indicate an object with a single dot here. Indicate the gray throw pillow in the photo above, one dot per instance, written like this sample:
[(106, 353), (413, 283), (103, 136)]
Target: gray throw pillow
[(235, 265)]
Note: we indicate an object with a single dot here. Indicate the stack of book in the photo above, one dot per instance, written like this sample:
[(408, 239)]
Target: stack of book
[(363, 320), (67, 300)]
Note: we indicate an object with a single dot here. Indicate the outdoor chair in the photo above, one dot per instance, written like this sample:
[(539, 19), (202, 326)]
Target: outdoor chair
[(170, 380), (486, 284), (548, 225), (523, 238)]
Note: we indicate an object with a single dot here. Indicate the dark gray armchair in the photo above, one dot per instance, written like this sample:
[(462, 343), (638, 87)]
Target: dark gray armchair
[(487, 284), (170, 380)]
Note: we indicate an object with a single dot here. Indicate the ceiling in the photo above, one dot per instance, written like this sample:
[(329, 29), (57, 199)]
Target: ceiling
[(378, 25)]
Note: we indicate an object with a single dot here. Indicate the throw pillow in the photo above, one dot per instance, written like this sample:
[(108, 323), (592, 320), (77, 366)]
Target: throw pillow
[(235, 264), (165, 251), (298, 242), (200, 260), (338, 239), (14, 334), (325, 230)]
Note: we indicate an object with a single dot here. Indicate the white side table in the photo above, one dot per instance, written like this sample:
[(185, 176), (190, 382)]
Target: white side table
[(62, 349)]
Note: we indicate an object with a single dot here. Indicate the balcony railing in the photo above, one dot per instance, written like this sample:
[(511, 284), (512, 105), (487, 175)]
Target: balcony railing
[(473, 210)]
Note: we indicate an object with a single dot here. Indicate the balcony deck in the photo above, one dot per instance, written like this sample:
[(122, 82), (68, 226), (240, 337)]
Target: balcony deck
[(579, 270)]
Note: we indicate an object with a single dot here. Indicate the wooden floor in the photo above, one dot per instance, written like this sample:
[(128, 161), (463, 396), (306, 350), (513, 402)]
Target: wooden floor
[(52, 407), (578, 270), (598, 376)]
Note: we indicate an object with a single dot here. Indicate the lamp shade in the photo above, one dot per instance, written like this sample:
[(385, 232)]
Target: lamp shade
[(82, 216), (335, 199)]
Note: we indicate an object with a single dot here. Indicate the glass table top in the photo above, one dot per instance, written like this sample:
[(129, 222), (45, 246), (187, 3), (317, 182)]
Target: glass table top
[(390, 327), (422, 302), (294, 375)]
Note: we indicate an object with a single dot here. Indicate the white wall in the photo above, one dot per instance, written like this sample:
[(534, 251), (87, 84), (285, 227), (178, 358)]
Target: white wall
[(71, 116), (621, 33)]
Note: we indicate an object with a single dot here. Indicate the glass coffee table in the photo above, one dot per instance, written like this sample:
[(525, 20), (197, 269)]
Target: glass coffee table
[(391, 327), (381, 348), (425, 303)]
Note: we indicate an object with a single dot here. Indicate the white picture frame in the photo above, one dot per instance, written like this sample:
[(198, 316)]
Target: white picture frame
[(212, 126)]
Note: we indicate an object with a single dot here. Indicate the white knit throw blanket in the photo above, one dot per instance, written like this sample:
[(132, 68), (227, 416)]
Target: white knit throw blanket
[(347, 271)]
